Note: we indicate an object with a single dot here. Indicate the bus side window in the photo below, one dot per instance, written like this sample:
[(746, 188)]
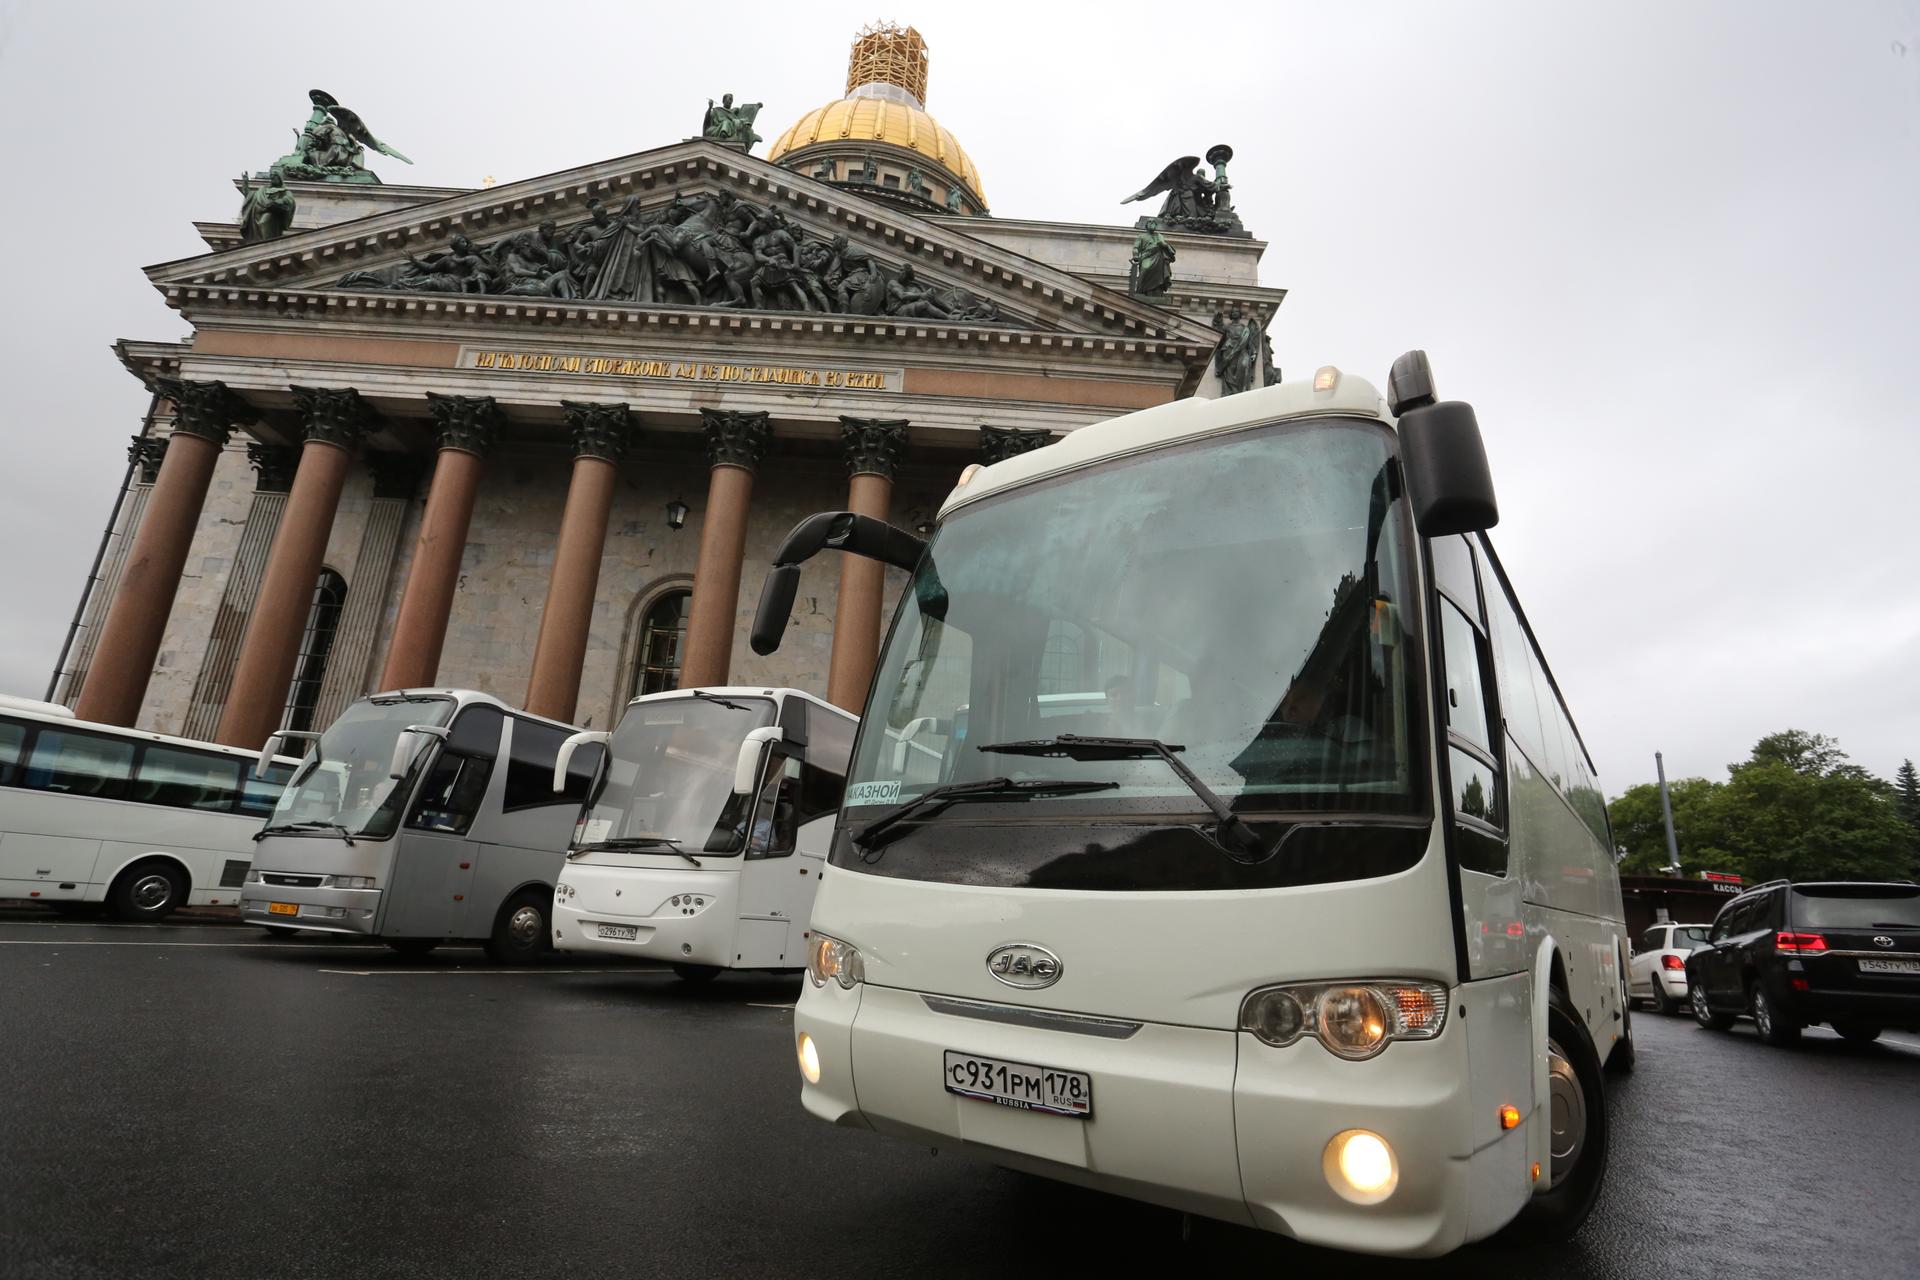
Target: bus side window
[(530, 761), (451, 795), (1472, 754), (775, 819), (80, 764), (186, 779), (13, 747)]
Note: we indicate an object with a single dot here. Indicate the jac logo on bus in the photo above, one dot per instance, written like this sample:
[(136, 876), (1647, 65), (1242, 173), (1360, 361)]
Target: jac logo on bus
[(1023, 964)]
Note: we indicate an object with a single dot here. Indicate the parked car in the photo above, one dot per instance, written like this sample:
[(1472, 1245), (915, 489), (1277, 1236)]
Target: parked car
[(1846, 953), (1658, 971)]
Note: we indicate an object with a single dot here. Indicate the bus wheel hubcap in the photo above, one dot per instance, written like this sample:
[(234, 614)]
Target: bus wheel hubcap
[(150, 892), (524, 926), (1568, 1112)]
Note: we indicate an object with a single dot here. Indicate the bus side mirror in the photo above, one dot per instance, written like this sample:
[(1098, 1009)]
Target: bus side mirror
[(747, 767), (913, 730), (404, 750), (776, 606), (268, 751), (1448, 480), (585, 738)]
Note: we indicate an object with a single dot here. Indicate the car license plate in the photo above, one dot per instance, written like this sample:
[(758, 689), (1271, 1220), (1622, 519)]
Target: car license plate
[(620, 932), (283, 908), (1019, 1084), (1871, 965)]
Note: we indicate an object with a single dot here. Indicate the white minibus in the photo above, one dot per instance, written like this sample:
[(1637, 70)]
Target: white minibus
[(706, 830), (1217, 836), (143, 822), (422, 816)]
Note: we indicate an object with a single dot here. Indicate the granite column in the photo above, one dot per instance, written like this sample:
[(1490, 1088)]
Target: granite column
[(735, 444), (873, 447)]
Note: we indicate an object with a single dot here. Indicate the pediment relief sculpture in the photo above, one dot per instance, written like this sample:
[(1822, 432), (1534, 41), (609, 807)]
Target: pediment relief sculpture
[(712, 249)]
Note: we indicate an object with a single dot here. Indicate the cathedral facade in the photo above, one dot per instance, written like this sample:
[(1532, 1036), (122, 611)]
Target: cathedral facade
[(542, 438)]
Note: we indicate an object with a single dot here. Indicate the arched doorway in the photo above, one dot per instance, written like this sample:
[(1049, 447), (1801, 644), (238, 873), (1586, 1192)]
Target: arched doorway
[(663, 633)]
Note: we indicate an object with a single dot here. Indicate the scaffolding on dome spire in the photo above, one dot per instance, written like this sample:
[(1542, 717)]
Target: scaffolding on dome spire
[(887, 53)]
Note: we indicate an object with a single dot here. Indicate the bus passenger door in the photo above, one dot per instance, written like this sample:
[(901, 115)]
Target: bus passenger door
[(767, 900), (434, 856)]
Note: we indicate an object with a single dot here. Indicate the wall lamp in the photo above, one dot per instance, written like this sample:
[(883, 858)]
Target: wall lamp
[(676, 514)]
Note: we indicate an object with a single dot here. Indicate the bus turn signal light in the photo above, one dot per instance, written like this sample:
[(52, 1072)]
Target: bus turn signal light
[(1509, 1116)]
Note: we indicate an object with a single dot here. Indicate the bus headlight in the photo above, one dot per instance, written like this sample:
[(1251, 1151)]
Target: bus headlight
[(350, 882), (1360, 1167), (832, 958), (1353, 1020)]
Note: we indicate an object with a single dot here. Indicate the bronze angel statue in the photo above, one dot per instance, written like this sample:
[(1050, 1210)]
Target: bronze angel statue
[(332, 146), (1189, 192)]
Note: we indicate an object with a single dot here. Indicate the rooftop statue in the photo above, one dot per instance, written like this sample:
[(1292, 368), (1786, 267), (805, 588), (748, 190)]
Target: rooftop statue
[(730, 124), (1152, 261), (267, 211), (1243, 348), (1193, 201), (332, 146)]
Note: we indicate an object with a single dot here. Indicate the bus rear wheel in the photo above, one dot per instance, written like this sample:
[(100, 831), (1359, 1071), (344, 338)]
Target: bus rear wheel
[(1577, 1112), (147, 891), (523, 932)]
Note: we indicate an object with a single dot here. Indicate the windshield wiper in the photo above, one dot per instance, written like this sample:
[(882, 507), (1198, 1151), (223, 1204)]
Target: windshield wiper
[(636, 842), (1235, 838), (306, 826), (725, 702), (935, 799)]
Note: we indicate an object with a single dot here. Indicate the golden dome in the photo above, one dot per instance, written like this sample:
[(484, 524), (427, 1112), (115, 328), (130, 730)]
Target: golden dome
[(884, 106)]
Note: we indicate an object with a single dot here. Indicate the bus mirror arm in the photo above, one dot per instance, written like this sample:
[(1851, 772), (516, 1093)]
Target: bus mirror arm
[(748, 764), (845, 531), (585, 738), (274, 739), (403, 750)]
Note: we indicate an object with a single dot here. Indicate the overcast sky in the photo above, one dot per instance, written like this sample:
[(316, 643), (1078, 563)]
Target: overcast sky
[(1671, 252)]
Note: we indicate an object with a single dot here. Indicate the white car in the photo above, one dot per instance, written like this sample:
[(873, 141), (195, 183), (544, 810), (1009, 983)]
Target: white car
[(1658, 971)]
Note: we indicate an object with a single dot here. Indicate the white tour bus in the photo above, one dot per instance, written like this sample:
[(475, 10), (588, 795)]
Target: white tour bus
[(706, 831), (1216, 835), (142, 821), (422, 816)]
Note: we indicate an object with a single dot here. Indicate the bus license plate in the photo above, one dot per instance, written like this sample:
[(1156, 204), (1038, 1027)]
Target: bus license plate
[(283, 908), (620, 932), (1019, 1084), (1889, 966)]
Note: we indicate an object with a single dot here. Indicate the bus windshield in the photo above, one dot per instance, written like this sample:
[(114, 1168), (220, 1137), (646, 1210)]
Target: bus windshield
[(342, 786), (669, 777), (1244, 598)]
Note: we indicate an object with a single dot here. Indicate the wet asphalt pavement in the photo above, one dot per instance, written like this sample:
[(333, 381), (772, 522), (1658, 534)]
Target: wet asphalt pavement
[(196, 1100)]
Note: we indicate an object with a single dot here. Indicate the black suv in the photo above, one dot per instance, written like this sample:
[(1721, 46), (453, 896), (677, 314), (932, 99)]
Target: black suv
[(1840, 952)]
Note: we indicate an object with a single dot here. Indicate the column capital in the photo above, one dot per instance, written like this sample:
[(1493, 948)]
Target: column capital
[(395, 475), (599, 430), (997, 444), (148, 452), (873, 445), (273, 467), (736, 438), (334, 415), (204, 409), (470, 424)]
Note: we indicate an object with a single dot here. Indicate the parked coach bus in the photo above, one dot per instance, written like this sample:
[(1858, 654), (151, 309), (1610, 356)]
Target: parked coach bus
[(93, 813), (422, 816), (705, 834), (1217, 836)]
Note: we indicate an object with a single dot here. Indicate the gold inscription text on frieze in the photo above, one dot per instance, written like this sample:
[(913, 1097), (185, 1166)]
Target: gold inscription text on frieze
[(680, 370)]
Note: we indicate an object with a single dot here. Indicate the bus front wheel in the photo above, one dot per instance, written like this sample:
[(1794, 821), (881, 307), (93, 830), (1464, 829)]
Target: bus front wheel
[(147, 891), (523, 931), (1577, 1111)]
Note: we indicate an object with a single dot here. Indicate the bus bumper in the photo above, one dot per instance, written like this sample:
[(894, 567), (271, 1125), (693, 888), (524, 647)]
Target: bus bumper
[(1205, 1121), (327, 910), (669, 916)]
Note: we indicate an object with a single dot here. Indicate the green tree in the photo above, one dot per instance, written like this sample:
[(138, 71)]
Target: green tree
[(1906, 786), (1797, 807), (1639, 828)]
